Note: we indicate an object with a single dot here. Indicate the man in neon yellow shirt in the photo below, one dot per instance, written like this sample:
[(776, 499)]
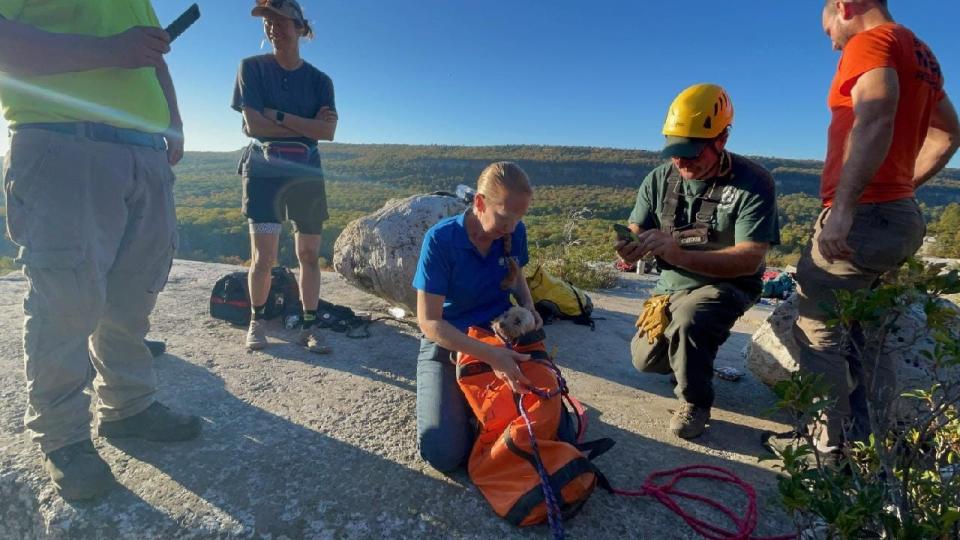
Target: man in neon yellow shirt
[(89, 189)]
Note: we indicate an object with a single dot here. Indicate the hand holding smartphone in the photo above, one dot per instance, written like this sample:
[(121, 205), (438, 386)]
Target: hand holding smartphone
[(624, 233)]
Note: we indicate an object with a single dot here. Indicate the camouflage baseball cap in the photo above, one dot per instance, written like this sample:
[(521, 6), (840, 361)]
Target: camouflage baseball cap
[(286, 8)]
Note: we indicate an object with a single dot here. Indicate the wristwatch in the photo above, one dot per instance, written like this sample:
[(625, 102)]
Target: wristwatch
[(279, 117)]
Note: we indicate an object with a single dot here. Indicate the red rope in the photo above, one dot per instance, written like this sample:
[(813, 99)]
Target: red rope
[(667, 494)]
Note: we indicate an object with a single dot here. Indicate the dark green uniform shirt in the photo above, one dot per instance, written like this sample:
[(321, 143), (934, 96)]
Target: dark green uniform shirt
[(747, 212)]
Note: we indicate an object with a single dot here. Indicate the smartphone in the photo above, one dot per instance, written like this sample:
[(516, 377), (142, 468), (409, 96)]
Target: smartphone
[(624, 233), (183, 22)]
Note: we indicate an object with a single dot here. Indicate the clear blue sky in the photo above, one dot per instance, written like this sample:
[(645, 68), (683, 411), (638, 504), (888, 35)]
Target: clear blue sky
[(543, 72)]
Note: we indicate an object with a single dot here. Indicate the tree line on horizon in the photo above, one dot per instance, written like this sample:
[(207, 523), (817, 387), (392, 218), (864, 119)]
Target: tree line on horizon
[(597, 184)]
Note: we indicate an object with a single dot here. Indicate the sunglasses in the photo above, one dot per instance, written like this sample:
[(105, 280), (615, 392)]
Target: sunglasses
[(278, 4)]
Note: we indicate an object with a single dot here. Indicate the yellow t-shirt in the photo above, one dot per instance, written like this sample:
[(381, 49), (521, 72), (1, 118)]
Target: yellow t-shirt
[(128, 98)]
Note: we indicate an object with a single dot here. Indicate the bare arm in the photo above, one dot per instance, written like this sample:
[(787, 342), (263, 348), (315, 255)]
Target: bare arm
[(941, 143), (321, 127), (502, 360), (876, 95), (28, 51), (174, 134), (434, 328), (258, 125), (875, 98), (742, 259)]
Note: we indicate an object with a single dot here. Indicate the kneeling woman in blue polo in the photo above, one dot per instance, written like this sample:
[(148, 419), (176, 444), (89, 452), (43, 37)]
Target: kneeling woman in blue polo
[(463, 262)]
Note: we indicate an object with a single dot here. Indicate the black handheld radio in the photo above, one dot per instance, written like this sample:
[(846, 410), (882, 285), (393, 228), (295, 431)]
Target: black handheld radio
[(183, 22)]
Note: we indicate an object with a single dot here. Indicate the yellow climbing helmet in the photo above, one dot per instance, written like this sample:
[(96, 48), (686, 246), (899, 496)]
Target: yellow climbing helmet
[(702, 111)]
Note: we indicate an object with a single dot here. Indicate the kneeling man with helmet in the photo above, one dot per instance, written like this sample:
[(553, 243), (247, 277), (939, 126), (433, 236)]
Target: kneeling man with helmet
[(708, 216)]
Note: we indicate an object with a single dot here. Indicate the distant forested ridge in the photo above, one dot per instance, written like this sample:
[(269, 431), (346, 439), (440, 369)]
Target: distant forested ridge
[(603, 181)]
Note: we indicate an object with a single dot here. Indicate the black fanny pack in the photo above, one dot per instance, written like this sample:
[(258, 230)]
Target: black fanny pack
[(288, 151), (280, 159)]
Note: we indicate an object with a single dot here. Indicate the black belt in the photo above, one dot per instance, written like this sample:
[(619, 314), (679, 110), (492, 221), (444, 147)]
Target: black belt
[(100, 133), (281, 142)]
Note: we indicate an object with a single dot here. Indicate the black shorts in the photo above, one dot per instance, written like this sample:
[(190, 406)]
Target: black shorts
[(302, 200)]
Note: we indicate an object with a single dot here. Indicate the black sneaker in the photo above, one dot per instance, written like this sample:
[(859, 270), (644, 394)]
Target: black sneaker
[(155, 423), (689, 421), (156, 347), (78, 472)]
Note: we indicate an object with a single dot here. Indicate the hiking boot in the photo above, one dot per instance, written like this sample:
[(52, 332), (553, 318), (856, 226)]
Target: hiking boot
[(313, 340), (78, 471), (256, 335), (155, 423), (689, 421)]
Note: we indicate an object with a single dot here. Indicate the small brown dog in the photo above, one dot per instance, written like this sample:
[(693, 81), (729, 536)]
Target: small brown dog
[(514, 323)]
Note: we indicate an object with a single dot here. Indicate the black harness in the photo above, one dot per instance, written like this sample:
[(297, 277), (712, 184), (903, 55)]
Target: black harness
[(697, 232)]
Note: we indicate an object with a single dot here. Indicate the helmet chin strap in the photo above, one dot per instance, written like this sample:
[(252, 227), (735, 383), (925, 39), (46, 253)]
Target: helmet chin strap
[(725, 165)]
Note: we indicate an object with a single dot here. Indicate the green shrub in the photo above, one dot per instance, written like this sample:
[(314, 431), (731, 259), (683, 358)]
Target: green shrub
[(902, 482), (7, 265), (571, 258)]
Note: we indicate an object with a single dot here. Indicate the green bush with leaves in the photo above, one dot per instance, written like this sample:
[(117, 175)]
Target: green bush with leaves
[(901, 482), (573, 258), (7, 265)]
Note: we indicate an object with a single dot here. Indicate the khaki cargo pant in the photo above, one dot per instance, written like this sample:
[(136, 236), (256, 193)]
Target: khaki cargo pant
[(882, 237), (96, 228), (700, 321)]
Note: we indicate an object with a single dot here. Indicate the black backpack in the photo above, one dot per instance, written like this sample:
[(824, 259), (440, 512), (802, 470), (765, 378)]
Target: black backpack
[(230, 299)]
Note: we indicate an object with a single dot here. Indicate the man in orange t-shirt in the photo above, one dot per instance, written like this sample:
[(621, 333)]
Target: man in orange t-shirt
[(892, 129)]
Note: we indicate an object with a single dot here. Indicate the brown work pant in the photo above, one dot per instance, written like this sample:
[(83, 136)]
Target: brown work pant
[(96, 228), (700, 321), (882, 237)]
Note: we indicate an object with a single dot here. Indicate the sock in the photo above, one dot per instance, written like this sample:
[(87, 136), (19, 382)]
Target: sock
[(259, 312), (310, 318)]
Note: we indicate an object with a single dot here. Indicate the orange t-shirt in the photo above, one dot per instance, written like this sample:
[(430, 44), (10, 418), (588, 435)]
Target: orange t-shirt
[(921, 88)]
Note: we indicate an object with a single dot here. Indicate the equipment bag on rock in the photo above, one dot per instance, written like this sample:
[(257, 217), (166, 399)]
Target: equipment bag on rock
[(557, 299), (505, 463), (230, 299)]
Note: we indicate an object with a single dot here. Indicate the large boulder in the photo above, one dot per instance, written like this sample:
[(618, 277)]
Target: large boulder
[(772, 352), (378, 253)]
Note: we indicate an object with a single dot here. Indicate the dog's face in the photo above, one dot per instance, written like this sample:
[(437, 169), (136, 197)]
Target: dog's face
[(514, 323)]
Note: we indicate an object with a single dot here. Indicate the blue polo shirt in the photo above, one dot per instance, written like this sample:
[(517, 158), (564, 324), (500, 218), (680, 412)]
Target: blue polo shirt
[(451, 266)]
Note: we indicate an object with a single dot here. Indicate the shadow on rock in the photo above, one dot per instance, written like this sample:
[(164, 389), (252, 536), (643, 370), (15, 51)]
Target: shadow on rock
[(253, 472), (388, 356)]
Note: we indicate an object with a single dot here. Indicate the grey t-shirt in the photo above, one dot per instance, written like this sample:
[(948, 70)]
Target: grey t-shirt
[(263, 83)]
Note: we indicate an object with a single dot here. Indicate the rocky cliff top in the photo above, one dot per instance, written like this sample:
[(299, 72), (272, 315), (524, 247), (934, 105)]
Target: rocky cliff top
[(297, 445)]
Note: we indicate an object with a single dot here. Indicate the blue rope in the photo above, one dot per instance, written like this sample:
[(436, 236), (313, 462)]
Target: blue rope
[(554, 514), (553, 509)]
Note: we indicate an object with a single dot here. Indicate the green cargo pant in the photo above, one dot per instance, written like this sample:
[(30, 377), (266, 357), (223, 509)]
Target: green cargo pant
[(96, 228), (883, 235), (700, 321)]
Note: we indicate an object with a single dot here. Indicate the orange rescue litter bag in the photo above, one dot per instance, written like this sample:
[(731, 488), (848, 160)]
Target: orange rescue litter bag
[(504, 461)]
